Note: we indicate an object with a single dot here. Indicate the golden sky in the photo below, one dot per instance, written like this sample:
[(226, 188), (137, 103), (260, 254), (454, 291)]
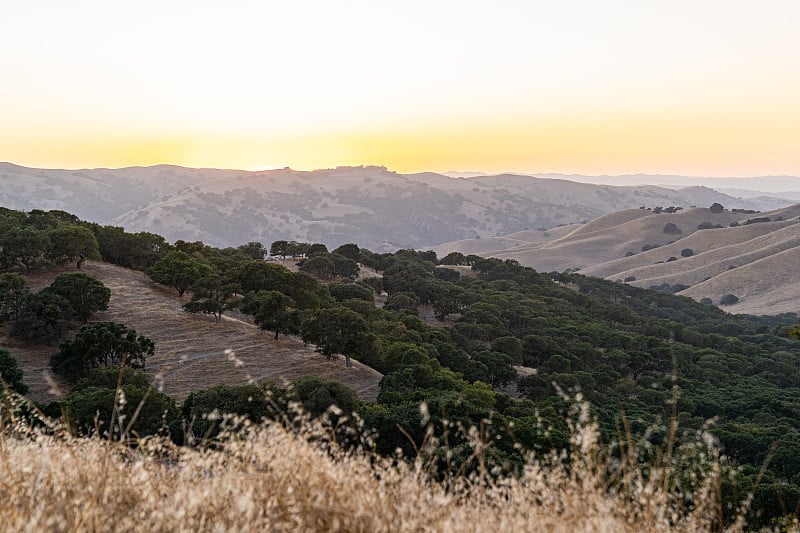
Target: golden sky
[(702, 87)]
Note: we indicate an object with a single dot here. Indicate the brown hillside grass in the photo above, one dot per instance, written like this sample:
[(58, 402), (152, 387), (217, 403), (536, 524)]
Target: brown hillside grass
[(192, 351), (726, 242), (766, 286), (272, 477), (582, 249)]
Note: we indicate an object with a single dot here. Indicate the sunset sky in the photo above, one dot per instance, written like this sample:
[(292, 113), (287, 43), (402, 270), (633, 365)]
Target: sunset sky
[(695, 87)]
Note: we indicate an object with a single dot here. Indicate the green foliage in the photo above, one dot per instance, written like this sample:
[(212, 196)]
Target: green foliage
[(350, 291), (101, 344), (27, 247), (403, 302), (245, 400), (318, 394), (319, 266), (13, 293), (69, 242), (271, 310), (453, 258), (139, 251), (338, 331), (10, 373), (91, 410), (213, 295), (350, 251), (45, 317), (178, 270), (85, 294), (728, 299), (254, 250)]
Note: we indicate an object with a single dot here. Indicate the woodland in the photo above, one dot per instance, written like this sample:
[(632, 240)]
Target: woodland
[(477, 342)]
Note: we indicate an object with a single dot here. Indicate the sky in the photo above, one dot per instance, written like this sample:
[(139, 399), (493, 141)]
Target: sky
[(701, 87)]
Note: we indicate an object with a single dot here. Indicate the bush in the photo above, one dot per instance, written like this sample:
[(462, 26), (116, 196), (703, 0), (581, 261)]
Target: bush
[(672, 258), (350, 291), (728, 299), (629, 279), (705, 225), (11, 373), (716, 208), (687, 252), (707, 301), (672, 229), (45, 318), (318, 394)]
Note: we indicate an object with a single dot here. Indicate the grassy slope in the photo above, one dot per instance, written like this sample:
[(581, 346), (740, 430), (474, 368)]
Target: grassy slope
[(191, 349)]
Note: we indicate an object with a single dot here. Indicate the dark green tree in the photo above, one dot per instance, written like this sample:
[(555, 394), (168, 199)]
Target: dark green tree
[(71, 243), (178, 270), (350, 291), (319, 266), (13, 292), (11, 373), (338, 331), (453, 258), (213, 296), (319, 394), (405, 302), (102, 344), (93, 405), (271, 310), (45, 317), (280, 248), (262, 276), (253, 250), (85, 294), (25, 246), (350, 251)]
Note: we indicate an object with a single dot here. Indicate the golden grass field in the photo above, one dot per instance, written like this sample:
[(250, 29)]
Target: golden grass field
[(190, 349), (275, 477)]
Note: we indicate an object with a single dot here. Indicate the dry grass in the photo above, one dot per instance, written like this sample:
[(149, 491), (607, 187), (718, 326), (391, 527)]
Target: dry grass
[(190, 349), (276, 477)]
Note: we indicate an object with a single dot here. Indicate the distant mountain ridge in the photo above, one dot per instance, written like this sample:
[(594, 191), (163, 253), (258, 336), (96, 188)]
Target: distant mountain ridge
[(377, 208)]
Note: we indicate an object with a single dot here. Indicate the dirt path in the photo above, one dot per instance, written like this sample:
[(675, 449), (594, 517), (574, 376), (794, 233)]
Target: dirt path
[(192, 351)]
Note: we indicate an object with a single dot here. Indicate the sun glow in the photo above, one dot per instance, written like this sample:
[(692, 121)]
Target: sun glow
[(679, 87)]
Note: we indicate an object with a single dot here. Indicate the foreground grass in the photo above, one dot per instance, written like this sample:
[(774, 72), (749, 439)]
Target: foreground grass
[(294, 477)]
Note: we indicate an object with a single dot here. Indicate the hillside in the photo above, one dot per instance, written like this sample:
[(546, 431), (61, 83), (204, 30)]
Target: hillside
[(379, 209), (190, 349), (632, 245)]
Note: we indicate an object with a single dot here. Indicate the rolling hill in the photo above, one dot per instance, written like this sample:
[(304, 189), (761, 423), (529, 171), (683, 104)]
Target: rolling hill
[(379, 209), (192, 351), (754, 261)]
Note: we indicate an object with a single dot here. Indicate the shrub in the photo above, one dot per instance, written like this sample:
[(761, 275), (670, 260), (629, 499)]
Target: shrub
[(671, 229), (672, 258), (11, 373), (756, 220), (716, 208), (629, 279), (728, 299), (705, 225), (687, 252), (707, 301)]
